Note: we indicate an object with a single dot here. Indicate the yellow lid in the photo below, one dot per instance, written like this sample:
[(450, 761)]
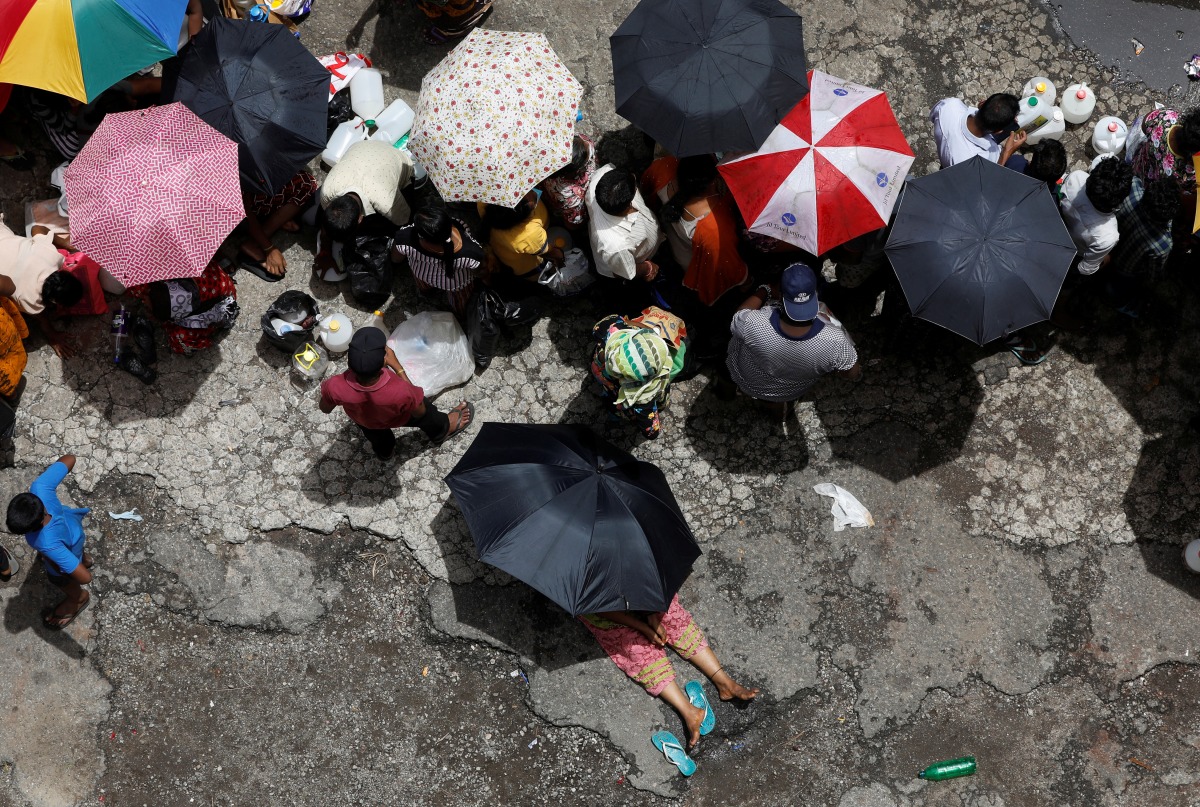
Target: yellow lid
[(334, 325), (307, 357), (1041, 86), (378, 313)]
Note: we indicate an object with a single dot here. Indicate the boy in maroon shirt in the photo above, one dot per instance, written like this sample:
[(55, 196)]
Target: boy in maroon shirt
[(376, 394)]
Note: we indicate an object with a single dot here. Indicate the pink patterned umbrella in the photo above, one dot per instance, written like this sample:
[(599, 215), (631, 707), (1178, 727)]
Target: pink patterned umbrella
[(153, 194)]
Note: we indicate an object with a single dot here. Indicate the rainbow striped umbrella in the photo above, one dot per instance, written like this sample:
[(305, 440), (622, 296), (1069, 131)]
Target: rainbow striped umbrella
[(80, 48)]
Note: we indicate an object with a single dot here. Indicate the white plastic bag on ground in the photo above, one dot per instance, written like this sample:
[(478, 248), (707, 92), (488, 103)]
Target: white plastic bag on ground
[(434, 351), (574, 276), (846, 510)]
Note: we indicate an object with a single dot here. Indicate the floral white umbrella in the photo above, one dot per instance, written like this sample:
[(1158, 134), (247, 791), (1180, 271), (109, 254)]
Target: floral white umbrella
[(495, 117)]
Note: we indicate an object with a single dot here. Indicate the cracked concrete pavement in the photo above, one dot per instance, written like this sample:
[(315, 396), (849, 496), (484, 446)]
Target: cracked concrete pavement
[(295, 621)]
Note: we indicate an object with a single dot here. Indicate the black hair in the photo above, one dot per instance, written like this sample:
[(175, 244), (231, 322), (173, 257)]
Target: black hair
[(496, 217), (692, 177), (1160, 201), (62, 288), (25, 513), (580, 153), (615, 191), (612, 150), (433, 224), (1188, 139), (1048, 161), (1109, 184), (998, 111), (342, 216)]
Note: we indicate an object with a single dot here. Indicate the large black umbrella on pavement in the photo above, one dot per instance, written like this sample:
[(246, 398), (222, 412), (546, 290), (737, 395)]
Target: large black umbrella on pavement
[(583, 522), (979, 249), (709, 75), (257, 85)]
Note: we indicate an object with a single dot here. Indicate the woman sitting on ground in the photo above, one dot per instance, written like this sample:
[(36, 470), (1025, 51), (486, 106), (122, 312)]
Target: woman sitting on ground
[(265, 215), (636, 642), (517, 236), (451, 20), (444, 257), (42, 288)]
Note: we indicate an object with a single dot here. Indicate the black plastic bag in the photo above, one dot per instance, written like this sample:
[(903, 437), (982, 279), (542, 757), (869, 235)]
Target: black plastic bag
[(339, 110), (297, 308), (487, 314), (368, 263)]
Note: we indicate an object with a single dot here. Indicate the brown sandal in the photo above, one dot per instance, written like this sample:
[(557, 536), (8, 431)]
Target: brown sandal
[(466, 414), (56, 621)]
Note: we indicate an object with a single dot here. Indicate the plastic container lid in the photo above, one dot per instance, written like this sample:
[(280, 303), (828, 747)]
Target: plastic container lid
[(1041, 86), (1032, 101), (334, 325), (1081, 93), (1191, 555), (1112, 126)]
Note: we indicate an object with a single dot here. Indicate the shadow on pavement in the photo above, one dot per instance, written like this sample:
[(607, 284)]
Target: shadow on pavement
[(24, 612), (348, 472)]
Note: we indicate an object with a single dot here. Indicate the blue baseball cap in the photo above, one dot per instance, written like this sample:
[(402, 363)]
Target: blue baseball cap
[(799, 287)]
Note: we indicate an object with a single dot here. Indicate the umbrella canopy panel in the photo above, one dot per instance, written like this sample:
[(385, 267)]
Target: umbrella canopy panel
[(153, 194), (701, 76), (980, 249), (495, 117), (832, 170), (80, 49), (586, 524), (260, 87)]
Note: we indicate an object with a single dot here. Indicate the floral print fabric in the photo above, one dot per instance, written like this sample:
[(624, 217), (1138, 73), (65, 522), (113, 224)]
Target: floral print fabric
[(495, 117), (1155, 159)]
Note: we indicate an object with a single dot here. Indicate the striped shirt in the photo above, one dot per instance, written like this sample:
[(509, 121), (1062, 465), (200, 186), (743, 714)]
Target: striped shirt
[(429, 267), (769, 365)]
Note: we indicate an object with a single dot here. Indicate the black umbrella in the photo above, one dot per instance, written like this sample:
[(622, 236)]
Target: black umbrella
[(583, 522), (980, 249), (709, 75), (256, 84)]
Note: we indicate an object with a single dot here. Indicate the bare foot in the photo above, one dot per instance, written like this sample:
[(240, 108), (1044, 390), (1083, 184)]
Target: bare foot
[(692, 718), (290, 227), (728, 690), (87, 561)]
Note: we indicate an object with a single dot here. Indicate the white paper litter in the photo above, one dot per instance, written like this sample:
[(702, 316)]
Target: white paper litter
[(847, 510), (129, 515)]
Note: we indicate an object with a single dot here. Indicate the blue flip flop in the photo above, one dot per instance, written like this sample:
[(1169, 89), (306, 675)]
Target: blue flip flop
[(695, 693), (673, 750)]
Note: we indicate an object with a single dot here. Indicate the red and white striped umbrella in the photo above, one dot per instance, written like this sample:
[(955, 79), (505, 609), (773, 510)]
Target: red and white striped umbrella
[(153, 194), (830, 171)]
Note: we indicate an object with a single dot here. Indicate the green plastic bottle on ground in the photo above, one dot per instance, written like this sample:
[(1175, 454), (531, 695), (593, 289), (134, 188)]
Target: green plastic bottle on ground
[(949, 769)]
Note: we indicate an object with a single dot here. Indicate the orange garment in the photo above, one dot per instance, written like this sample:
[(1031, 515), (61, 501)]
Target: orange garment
[(12, 351), (716, 266)]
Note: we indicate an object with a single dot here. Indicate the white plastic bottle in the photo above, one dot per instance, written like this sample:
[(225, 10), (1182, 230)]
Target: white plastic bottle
[(1041, 88), (1032, 115), (1110, 135), (366, 93), (1053, 129), (395, 121), (1078, 103), (347, 133), (376, 321)]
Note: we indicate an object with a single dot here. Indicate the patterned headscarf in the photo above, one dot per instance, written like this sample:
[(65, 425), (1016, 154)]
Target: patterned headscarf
[(640, 362)]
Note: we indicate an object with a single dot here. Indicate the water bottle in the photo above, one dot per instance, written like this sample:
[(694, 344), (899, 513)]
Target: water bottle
[(1041, 88), (119, 331), (283, 326), (948, 769), (376, 321), (1052, 129), (1078, 103), (1110, 135), (257, 14)]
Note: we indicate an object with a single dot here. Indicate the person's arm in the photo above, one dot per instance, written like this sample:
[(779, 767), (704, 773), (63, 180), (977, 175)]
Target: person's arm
[(195, 17), (57, 341), (630, 621), (69, 461), (392, 363), (756, 300), (7, 287), (852, 374), (326, 404), (1014, 141), (60, 240), (81, 575)]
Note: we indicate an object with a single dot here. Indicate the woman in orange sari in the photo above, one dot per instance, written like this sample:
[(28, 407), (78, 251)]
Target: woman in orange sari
[(12, 349)]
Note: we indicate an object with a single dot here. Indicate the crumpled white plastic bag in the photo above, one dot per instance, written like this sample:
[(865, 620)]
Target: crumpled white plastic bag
[(434, 351), (847, 510)]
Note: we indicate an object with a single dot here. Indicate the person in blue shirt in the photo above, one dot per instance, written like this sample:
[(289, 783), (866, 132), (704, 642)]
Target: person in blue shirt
[(56, 532)]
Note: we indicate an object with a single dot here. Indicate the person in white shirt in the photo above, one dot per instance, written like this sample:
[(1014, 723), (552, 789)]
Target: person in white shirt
[(962, 132), (1089, 205), (624, 233)]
